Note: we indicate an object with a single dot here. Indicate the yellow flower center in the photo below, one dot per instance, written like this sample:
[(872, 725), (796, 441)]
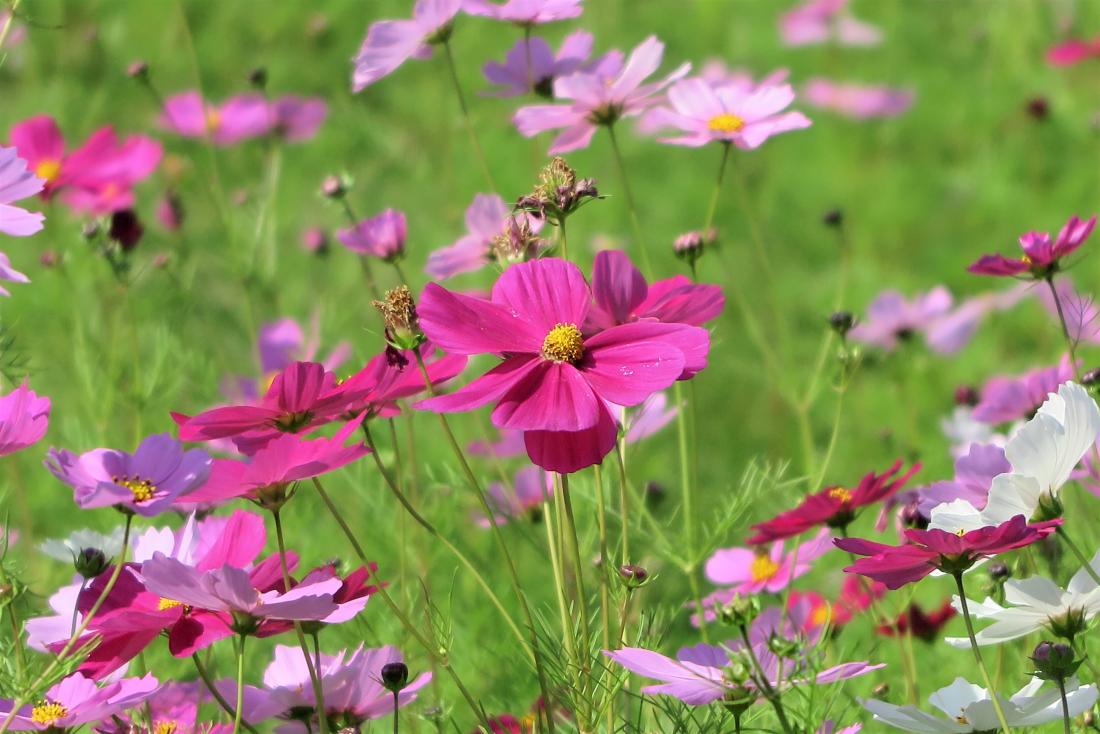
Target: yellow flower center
[(564, 343), (166, 604), (962, 719), (1027, 259), (142, 489), (763, 568), (840, 494), (48, 169), (821, 614), (726, 123), (213, 120), (165, 727), (47, 712)]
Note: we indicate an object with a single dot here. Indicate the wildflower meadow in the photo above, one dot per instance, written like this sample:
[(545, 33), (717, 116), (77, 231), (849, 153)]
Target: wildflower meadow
[(517, 366)]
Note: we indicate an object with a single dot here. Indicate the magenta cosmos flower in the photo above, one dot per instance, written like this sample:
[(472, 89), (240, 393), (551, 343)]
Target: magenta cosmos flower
[(16, 183), (858, 101), (555, 382), (382, 236), (599, 97), (390, 43), (1072, 52), (931, 550), (834, 507), (297, 119), (99, 176), (487, 217), (24, 418), (146, 482), (532, 67), (76, 701), (819, 21), (1004, 399), (525, 12), (703, 113), (1042, 256), (238, 118)]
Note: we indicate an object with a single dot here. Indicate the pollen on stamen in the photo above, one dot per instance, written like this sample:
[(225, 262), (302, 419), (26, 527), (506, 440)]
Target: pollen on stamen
[(727, 122), (48, 712), (564, 343), (165, 727), (840, 494), (166, 604), (763, 568), (48, 170), (142, 489), (213, 120)]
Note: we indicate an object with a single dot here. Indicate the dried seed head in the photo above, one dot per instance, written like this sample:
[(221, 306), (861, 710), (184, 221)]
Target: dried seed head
[(399, 314)]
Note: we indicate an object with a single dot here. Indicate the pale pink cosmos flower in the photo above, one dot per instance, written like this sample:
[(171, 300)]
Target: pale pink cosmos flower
[(718, 73), (77, 700), (525, 12), (1005, 399), (533, 67), (649, 417), (10, 274), (238, 118), (390, 43), (382, 236), (858, 101), (1074, 51), (1079, 311), (523, 499), (820, 21), (24, 418), (16, 183), (755, 570), (486, 218), (703, 113), (297, 119), (599, 98)]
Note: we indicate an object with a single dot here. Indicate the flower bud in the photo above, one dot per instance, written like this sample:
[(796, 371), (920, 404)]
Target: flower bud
[(1054, 661), (49, 258), (655, 494), (690, 245), (740, 611), (833, 218), (126, 229), (881, 690), (395, 676), (90, 562), (1038, 108), (138, 69), (634, 577), (967, 395), (258, 77), (315, 240), (842, 322), (999, 571), (1050, 508), (169, 212), (334, 187)]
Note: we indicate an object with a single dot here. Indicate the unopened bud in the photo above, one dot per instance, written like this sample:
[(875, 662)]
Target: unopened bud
[(90, 562), (999, 571), (126, 229), (395, 676), (633, 576), (138, 69), (833, 218), (967, 395), (690, 246), (258, 77), (842, 322), (334, 187), (1038, 108), (1054, 661), (740, 611)]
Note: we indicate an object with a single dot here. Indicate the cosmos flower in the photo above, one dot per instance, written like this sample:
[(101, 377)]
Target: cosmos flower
[(16, 183), (239, 118), (24, 418), (382, 236), (649, 417), (10, 274), (525, 12), (919, 623), (555, 382), (486, 218), (1073, 52), (857, 101), (833, 506), (717, 73), (297, 119), (974, 474), (598, 97), (523, 499), (173, 709), (1042, 256), (1079, 311), (98, 177), (532, 67), (390, 43), (702, 113), (819, 21), (756, 570), (1005, 399), (936, 549), (394, 375), (146, 482), (969, 708), (76, 700)]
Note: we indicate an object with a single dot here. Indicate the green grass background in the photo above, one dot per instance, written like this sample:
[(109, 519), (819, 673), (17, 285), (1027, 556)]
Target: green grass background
[(964, 172)]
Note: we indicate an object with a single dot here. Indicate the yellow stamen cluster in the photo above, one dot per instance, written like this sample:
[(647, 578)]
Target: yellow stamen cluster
[(564, 343), (48, 169), (213, 120), (166, 604), (840, 494), (165, 727), (962, 719), (48, 712), (821, 614), (142, 489), (726, 123), (763, 568)]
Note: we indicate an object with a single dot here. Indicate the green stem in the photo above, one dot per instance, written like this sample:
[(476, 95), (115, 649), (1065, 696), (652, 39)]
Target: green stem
[(1085, 564), (449, 55), (204, 675), (978, 656), (8, 23), (1071, 343), (1065, 707), (635, 223), (624, 501), (766, 687), (562, 238), (713, 208), (240, 686), (578, 560), (689, 507)]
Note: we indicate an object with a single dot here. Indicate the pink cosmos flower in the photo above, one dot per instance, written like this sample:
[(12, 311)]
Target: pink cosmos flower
[(525, 12), (974, 474), (858, 101), (281, 462), (756, 570), (394, 375), (523, 499), (717, 73), (939, 550), (297, 119), (856, 596), (24, 418), (819, 21), (10, 274), (1079, 310), (44, 630), (76, 701), (352, 596), (390, 43), (833, 506), (1042, 257), (237, 119), (99, 176), (532, 68), (555, 382), (919, 623), (16, 183), (1072, 52), (146, 482), (649, 418), (1005, 399), (486, 218), (599, 97), (173, 708), (703, 113), (382, 236)]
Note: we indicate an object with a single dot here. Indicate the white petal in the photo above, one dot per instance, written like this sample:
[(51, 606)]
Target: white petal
[(953, 699), (1010, 495), (1035, 591), (910, 718), (955, 516)]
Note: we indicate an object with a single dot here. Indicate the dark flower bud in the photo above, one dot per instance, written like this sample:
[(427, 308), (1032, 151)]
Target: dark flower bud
[(842, 322), (395, 676), (258, 77), (999, 571), (126, 229), (333, 187), (49, 258), (655, 493), (967, 395), (1038, 108), (690, 245), (90, 562), (633, 576), (833, 218), (881, 690), (1054, 661), (138, 69)]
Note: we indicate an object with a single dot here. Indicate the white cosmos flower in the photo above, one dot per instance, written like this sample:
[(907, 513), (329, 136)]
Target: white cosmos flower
[(1037, 603), (66, 549), (1043, 453), (970, 709)]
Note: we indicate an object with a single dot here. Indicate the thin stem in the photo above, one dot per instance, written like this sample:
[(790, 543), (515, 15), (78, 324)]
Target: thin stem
[(396, 718), (624, 613), (76, 612), (314, 674), (204, 675), (765, 685), (624, 502), (713, 208), (1065, 707), (449, 55), (240, 685), (978, 655), (559, 591), (8, 23), (1085, 564), (562, 238), (689, 508), (578, 561), (1071, 343), (634, 221), (605, 594)]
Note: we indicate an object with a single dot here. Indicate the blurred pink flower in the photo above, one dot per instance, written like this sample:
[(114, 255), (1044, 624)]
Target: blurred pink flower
[(599, 97), (486, 218), (1080, 311), (16, 183), (1005, 399), (1074, 51), (717, 73), (390, 43), (297, 119), (238, 118), (530, 487), (77, 700), (24, 418), (861, 102), (382, 236), (9, 274), (1042, 256), (533, 68), (525, 12), (819, 21)]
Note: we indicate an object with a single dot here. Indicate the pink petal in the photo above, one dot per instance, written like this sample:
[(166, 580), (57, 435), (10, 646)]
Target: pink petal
[(547, 292), (551, 397), (466, 325)]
